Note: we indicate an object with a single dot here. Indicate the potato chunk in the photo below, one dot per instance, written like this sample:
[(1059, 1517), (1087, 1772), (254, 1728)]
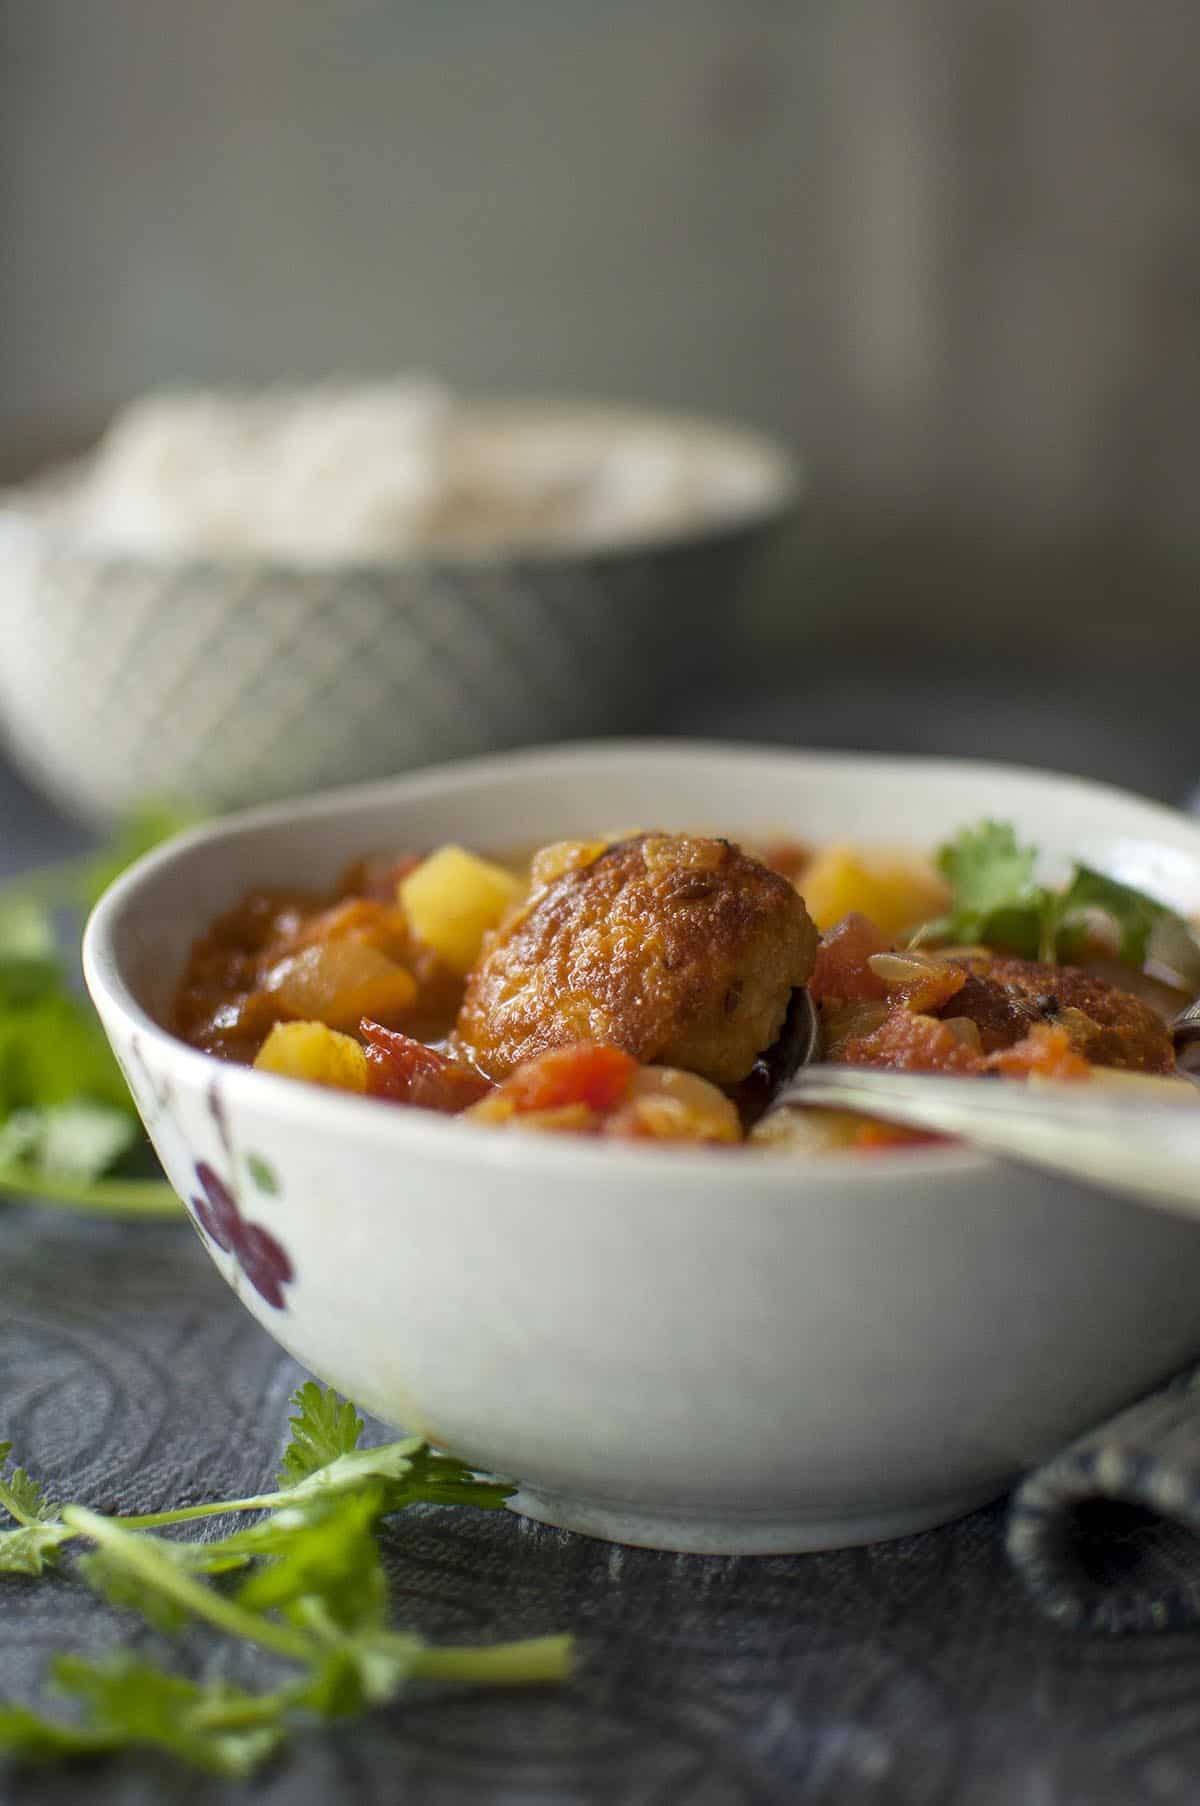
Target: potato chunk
[(452, 899), (665, 1104), (338, 982), (895, 891), (311, 1051)]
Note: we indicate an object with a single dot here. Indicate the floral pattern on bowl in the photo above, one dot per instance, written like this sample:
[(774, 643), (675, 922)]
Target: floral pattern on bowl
[(261, 1257), (214, 1206)]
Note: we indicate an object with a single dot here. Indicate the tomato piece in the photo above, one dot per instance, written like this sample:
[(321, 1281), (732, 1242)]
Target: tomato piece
[(584, 1074), (377, 877), (1047, 1050), (790, 858), (360, 919), (909, 1042), (841, 968), (405, 1071)]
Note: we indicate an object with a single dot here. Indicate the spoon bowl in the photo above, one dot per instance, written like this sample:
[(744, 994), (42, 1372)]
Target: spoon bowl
[(1186, 1032), (1144, 1144)]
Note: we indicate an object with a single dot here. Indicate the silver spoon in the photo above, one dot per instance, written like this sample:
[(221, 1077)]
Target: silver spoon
[(1145, 1149), (1186, 1032)]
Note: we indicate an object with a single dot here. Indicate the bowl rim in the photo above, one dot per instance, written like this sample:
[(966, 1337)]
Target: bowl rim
[(26, 506), (436, 1136)]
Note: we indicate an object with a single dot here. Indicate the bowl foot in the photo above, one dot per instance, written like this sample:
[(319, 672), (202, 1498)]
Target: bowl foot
[(694, 1533)]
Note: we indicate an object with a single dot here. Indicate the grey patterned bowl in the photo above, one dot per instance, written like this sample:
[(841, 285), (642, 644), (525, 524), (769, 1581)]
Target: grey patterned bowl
[(220, 683)]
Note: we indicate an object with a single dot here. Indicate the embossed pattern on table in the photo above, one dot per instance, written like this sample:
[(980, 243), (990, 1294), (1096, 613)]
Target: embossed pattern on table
[(911, 1674)]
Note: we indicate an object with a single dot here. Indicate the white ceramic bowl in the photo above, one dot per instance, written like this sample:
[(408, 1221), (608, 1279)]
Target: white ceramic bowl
[(702, 1350), (226, 681)]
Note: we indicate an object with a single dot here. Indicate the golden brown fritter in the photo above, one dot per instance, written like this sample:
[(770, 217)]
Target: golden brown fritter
[(678, 949), (1003, 997)]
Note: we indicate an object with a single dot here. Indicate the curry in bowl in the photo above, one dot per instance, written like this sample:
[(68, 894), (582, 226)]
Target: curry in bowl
[(644, 986)]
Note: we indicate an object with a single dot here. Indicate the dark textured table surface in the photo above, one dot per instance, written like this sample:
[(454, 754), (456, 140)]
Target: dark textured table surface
[(912, 1674)]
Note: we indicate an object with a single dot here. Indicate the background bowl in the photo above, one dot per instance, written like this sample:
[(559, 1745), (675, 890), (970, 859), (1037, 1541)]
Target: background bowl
[(221, 682), (707, 1350)]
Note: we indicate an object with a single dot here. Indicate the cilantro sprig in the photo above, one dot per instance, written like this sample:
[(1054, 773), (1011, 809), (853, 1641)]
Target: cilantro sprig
[(996, 901), (307, 1585), (69, 1131)]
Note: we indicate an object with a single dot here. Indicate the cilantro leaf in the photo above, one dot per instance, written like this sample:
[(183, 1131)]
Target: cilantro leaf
[(1133, 914), (53, 1051), (995, 901), (324, 1428), (73, 1141), (139, 1576), (34, 1544), (368, 1669), (26, 931), (66, 1116), (29, 1737), (435, 1479), (987, 869), (32, 1548), (390, 1462), (315, 1595), (405, 1473), (388, 1477), (329, 1555), (213, 1726), (130, 1588), (323, 1455), (22, 1497), (148, 1575), (28, 957)]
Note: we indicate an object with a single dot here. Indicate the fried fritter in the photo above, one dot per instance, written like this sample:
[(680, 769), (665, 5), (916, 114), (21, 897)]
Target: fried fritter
[(1109, 1027), (680, 950)]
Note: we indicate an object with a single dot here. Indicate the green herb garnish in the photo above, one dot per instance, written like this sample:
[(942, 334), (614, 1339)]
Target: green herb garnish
[(996, 902), (310, 1590), (69, 1130)]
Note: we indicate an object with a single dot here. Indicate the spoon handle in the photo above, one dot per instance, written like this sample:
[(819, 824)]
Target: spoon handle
[(1146, 1150)]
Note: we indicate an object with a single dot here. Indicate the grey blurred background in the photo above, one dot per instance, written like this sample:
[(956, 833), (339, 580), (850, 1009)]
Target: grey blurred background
[(949, 250)]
